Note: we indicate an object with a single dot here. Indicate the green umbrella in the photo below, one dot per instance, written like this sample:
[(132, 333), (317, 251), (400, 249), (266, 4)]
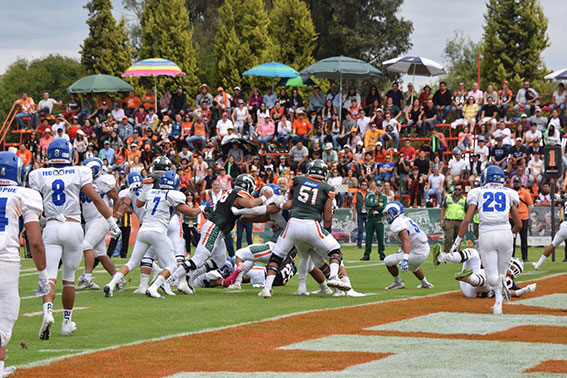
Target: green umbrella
[(298, 81), (99, 83)]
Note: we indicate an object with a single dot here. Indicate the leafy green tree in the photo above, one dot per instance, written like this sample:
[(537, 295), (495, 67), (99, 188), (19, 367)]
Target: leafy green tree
[(461, 61), (170, 37), (514, 38), (293, 33), (107, 49)]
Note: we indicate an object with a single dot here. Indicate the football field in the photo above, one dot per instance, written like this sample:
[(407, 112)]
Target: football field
[(219, 332)]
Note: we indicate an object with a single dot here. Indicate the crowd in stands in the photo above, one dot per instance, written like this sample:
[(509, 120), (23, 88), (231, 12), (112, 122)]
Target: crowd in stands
[(417, 143)]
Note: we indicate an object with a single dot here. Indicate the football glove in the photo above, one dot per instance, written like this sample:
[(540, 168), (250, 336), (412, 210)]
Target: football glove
[(42, 284), (404, 264), (456, 245), (114, 229)]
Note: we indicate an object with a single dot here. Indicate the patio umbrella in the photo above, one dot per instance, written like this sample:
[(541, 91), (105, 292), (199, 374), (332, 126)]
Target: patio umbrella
[(559, 75), (298, 81), (272, 69), (153, 67), (341, 67), (225, 147), (414, 65), (98, 84)]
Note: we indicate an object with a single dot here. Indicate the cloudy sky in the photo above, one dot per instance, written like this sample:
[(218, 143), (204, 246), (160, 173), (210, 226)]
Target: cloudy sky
[(42, 28)]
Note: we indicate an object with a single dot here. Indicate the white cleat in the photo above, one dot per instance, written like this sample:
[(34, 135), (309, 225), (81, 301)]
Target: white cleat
[(257, 286), (505, 291), (354, 294), (121, 285), (94, 286), (265, 293), (302, 292), (497, 309), (425, 286), (166, 287), (530, 288), (46, 325), (8, 371), (326, 291), (235, 286), (536, 267), (153, 293), (108, 292), (141, 290), (339, 293), (335, 282), (83, 283), (396, 285), (184, 287), (67, 328)]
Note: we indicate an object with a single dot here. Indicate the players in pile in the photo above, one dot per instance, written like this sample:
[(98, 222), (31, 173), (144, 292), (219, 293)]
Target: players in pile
[(414, 249), (494, 203), (472, 277), (96, 227), (211, 250), (61, 185), (312, 202), (159, 205), (16, 204)]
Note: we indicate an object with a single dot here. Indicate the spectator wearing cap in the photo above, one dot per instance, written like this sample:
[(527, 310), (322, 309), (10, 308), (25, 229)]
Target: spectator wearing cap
[(125, 129), (435, 184), (269, 177), (330, 156), (301, 128), (222, 101), (102, 113), (107, 153), (475, 168), (375, 203), (204, 95), (265, 130), (238, 95), (524, 206), (518, 156), (539, 120), (298, 155), (231, 135), (199, 132), (499, 154), (239, 116), (117, 112), (526, 98), (452, 214), (360, 211), (178, 101)]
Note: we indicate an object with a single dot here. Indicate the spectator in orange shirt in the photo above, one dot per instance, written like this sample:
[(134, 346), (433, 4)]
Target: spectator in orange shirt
[(380, 153), (301, 128), (526, 202), (131, 103), (27, 109), (149, 99), (25, 155)]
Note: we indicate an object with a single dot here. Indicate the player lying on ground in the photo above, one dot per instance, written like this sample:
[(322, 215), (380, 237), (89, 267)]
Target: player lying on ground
[(560, 237), (494, 203), (473, 277), (60, 186), (414, 250), (17, 205)]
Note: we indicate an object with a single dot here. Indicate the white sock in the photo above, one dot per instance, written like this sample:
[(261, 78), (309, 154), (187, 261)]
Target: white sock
[(397, 279), (144, 279), (244, 268), (346, 280), (540, 261), (117, 277), (475, 280), (527, 289), (1, 367), (333, 270), (424, 281), (497, 294), (158, 281), (180, 272), (67, 314), (269, 281), (323, 285), (47, 308), (88, 276)]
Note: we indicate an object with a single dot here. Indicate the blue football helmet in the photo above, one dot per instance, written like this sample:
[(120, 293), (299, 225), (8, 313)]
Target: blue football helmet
[(60, 152), (392, 210), (134, 180), (228, 267), (492, 175), (169, 180), (96, 165), (11, 169)]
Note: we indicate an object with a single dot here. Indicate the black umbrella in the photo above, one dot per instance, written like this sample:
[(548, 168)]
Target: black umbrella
[(242, 143)]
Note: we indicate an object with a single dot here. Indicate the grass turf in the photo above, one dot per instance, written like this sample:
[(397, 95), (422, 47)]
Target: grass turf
[(131, 317)]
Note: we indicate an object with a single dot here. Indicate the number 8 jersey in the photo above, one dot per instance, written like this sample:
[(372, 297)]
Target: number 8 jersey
[(61, 188), (493, 203)]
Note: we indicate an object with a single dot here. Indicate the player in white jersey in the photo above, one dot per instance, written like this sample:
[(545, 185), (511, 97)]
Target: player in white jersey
[(60, 186), (494, 203), (559, 237), (96, 227), (159, 204), (414, 250), (17, 206)]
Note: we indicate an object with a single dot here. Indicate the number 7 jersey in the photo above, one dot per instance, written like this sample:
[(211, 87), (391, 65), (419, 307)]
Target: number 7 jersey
[(309, 197), (493, 203)]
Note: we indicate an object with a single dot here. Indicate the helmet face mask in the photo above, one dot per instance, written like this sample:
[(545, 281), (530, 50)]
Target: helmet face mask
[(160, 164), (516, 267), (96, 165), (169, 180), (318, 169), (11, 169), (246, 182), (393, 210)]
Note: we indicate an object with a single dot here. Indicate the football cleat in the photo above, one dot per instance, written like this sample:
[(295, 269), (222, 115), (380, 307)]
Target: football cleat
[(166, 287), (425, 286), (530, 288), (108, 292), (339, 293), (396, 285), (265, 293), (302, 292), (235, 286), (184, 287), (536, 267), (462, 276), (8, 371), (46, 325), (152, 293), (505, 291), (141, 290), (67, 328), (436, 251), (354, 294), (94, 286), (257, 286), (121, 285), (326, 291), (336, 282), (83, 283)]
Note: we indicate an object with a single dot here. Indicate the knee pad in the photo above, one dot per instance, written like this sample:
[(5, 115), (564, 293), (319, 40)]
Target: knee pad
[(336, 254), (146, 262), (274, 264), (210, 265)]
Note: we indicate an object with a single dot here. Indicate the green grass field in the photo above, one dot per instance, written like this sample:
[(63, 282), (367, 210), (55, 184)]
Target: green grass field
[(129, 317)]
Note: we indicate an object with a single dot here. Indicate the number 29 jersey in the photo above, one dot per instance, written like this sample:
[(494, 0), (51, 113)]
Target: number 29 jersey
[(493, 203), (309, 197), (61, 188)]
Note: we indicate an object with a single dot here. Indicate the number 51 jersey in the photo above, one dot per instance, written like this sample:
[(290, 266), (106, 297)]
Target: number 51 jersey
[(309, 197), (61, 188), (493, 203)]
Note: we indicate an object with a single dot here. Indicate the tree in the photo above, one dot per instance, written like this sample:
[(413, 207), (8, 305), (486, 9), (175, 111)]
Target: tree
[(461, 56), (514, 38), (293, 33), (136, 10), (170, 37), (106, 49)]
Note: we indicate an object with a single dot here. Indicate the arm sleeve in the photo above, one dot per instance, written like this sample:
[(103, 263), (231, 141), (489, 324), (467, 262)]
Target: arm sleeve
[(258, 210), (32, 206), (175, 198)]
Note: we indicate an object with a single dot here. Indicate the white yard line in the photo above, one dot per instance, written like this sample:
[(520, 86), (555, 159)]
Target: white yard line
[(161, 338), (58, 294), (39, 313), (60, 350)]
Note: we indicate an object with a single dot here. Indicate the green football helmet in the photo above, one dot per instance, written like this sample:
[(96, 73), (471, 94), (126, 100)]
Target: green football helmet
[(160, 164), (246, 182), (318, 169)]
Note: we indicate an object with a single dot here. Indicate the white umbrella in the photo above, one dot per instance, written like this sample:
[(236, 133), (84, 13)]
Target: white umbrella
[(414, 65), (559, 75)]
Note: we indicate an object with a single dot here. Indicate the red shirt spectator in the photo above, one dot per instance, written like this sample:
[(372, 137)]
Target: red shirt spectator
[(408, 150)]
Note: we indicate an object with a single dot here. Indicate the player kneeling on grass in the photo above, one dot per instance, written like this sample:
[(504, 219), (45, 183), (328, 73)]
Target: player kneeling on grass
[(560, 237), (17, 205), (414, 250), (159, 204), (473, 278)]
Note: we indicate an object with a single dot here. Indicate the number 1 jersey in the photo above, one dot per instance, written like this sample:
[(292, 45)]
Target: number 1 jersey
[(493, 203), (309, 197)]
